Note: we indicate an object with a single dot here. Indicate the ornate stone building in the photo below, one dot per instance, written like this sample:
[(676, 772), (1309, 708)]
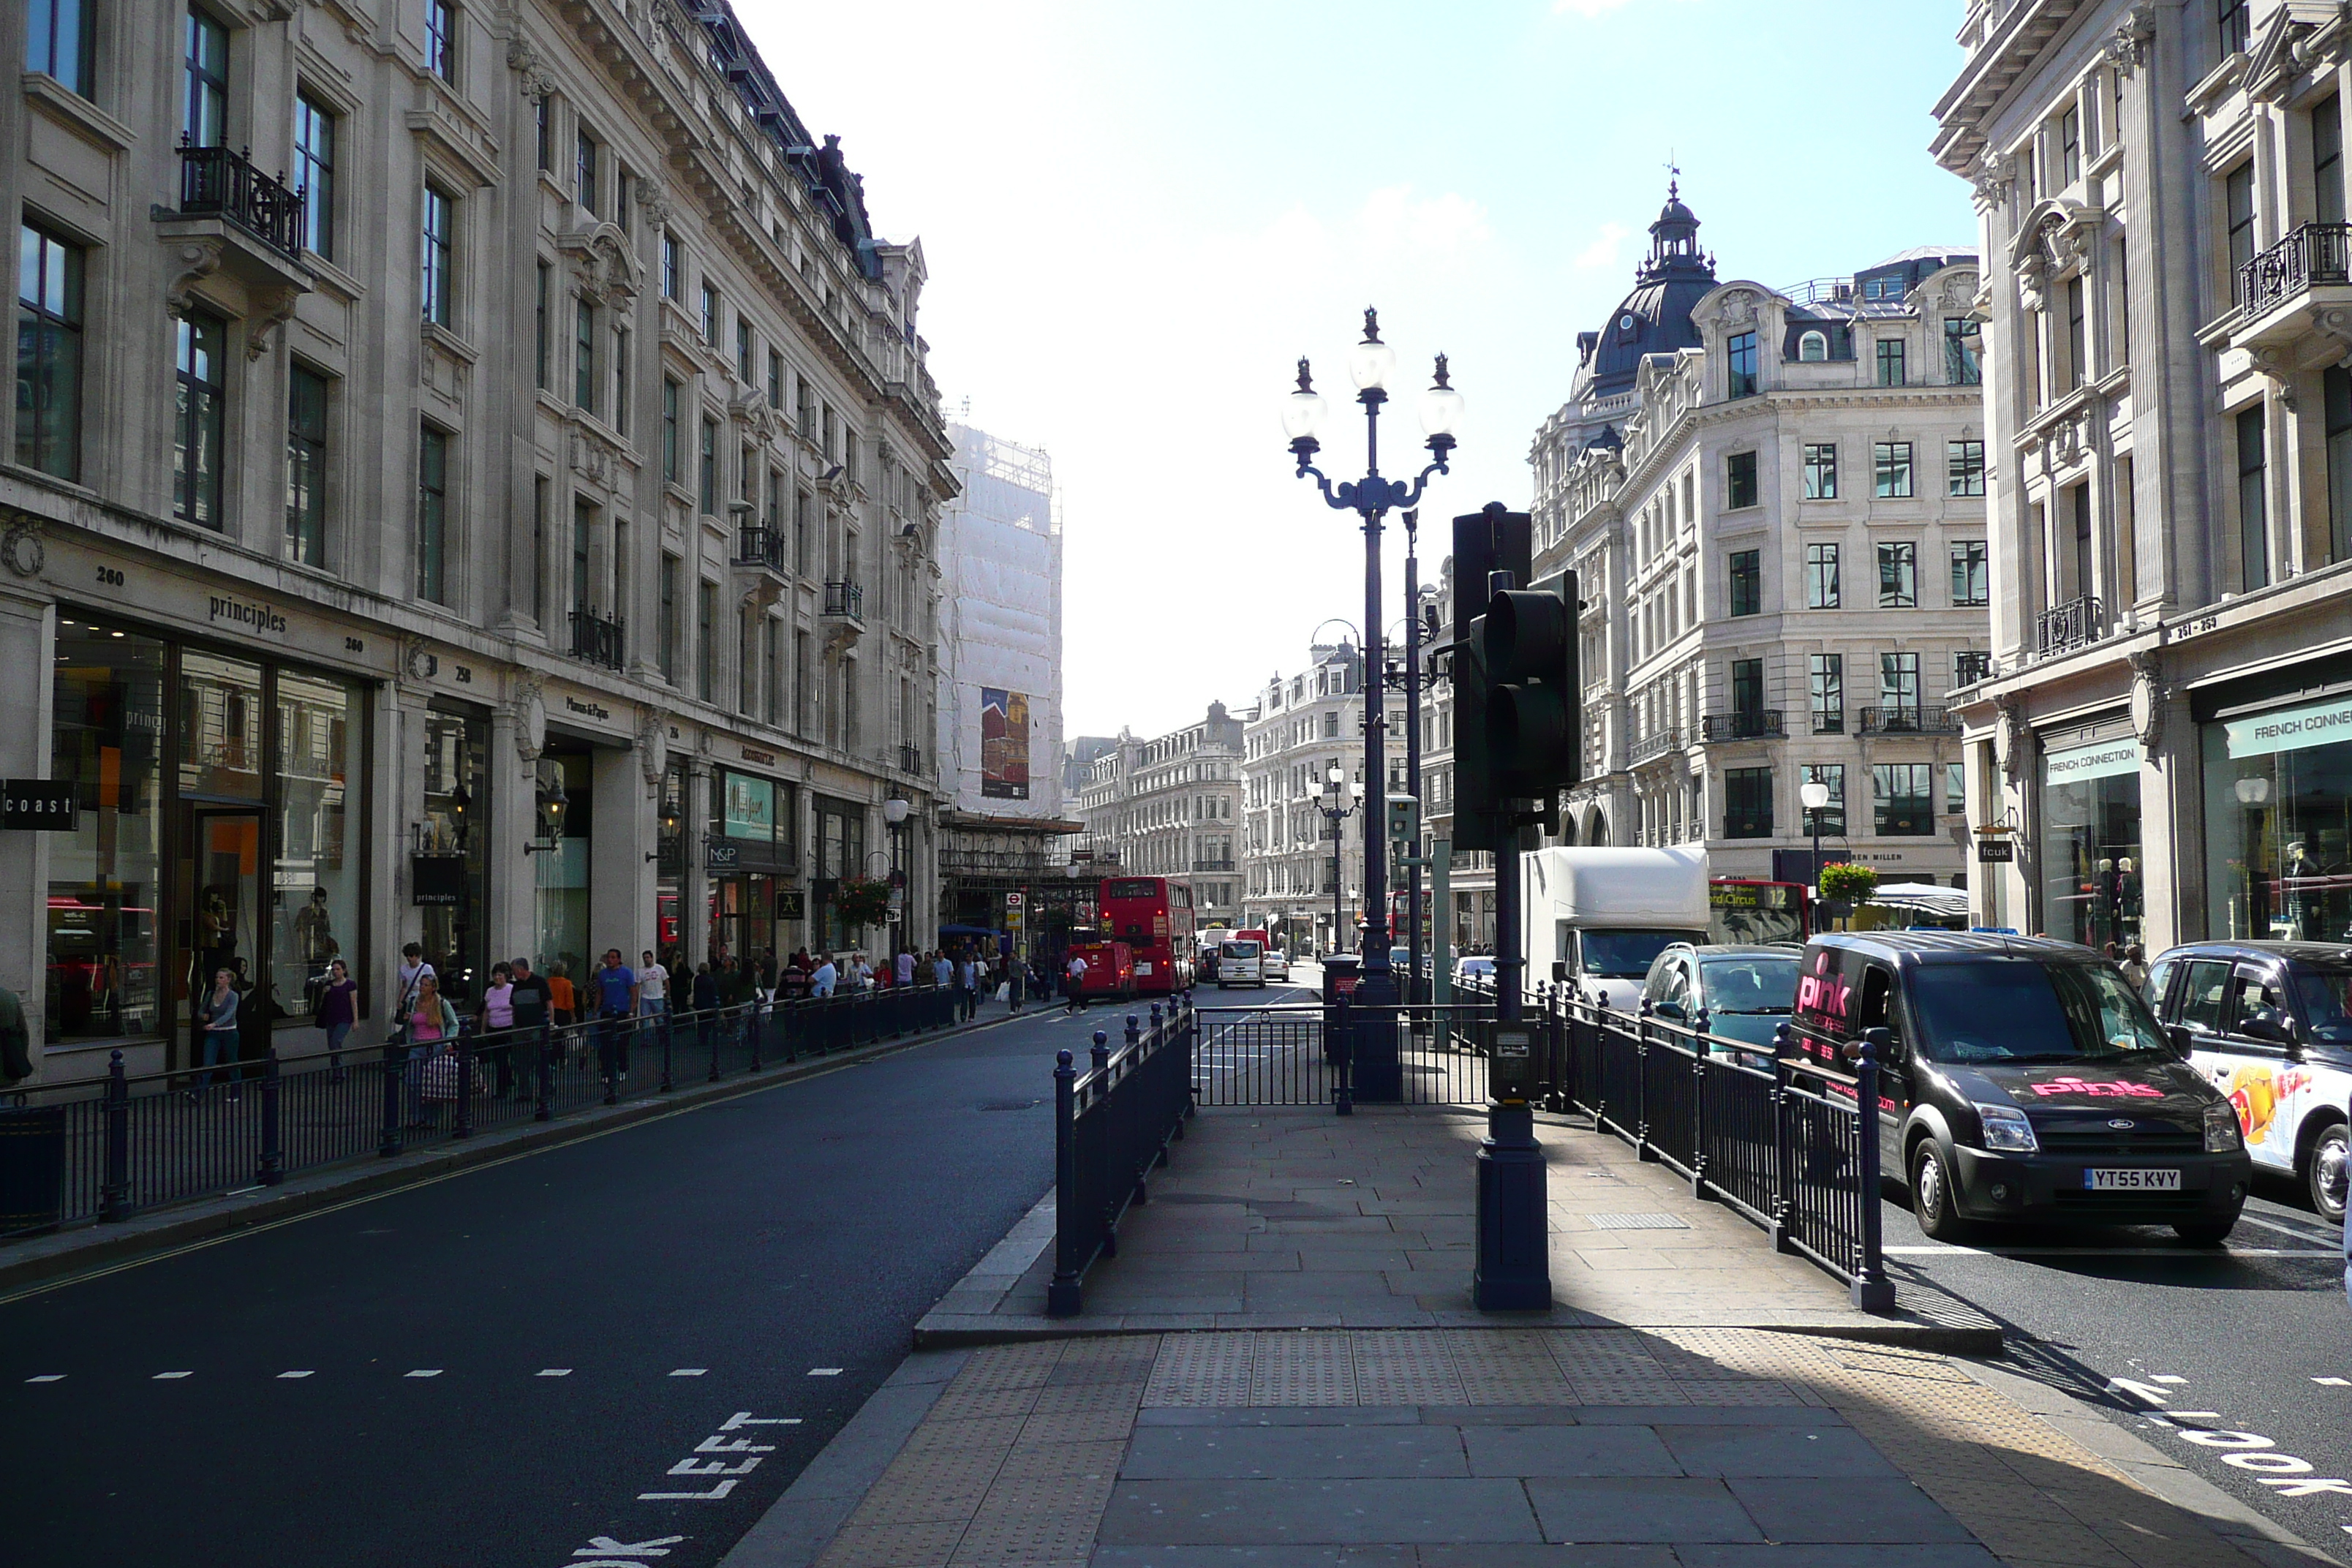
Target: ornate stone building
[(472, 480), (1170, 806), (1304, 724)]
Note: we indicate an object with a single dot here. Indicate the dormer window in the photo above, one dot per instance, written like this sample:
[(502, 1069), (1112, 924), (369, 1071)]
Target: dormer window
[(1812, 347)]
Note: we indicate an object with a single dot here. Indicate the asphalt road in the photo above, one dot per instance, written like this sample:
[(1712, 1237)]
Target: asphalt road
[(2210, 1355), (495, 1368)]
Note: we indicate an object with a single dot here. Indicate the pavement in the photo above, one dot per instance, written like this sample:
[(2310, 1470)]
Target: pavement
[(1280, 1368)]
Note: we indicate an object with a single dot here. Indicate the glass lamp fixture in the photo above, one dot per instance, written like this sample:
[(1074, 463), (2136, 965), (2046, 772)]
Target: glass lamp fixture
[(2253, 791), (1303, 411), (1440, 406), (1814, 794), (894, 811), (1372, 362)]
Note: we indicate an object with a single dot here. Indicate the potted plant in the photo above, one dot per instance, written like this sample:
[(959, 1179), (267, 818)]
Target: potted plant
[(1844, 885)]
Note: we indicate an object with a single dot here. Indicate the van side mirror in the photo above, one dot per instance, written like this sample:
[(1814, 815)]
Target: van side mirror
[(1559, 971), (1668, 1010), (2183, 1042)]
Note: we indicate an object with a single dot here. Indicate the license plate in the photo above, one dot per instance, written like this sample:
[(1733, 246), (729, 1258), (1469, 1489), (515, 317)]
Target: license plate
[(2132, 1181), (1143, 969)]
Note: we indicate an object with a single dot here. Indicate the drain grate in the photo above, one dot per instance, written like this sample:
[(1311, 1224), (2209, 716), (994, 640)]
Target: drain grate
[(1635, 1222)]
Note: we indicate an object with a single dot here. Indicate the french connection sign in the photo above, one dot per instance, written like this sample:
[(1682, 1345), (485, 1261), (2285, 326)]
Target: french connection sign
[(2078, 764), (2290, 730)]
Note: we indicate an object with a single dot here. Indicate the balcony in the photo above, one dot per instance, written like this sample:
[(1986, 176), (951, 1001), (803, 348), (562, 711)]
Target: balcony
[(218, 183), (1212, 865), (910, 759), (2077, 623), (1656, 745), (759, 547), (1742, 724), (1909, 722), (597, 638), (2283, 291), (844, 600)]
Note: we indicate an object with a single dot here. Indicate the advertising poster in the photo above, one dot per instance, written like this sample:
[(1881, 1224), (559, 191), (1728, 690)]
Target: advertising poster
[(1003, 743)]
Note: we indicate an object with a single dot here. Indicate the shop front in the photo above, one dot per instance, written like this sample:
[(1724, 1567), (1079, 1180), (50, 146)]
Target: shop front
[(750, 861), (564, 820), (449, 869), (840, 856), (2090, 837), (219, 828), (2278, 819)]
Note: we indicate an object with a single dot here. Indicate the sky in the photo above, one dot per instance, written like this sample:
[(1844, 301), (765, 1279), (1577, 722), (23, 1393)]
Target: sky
[(1136, 217)]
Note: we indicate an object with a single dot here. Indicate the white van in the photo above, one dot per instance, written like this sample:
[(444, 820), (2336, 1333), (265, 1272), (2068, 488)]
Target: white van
[(1595, 916), (1241, 962)]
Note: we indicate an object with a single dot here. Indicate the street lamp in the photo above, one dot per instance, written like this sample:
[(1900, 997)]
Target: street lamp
[(1337, 787), (1372, 363), (1815, 795), (894, 814)]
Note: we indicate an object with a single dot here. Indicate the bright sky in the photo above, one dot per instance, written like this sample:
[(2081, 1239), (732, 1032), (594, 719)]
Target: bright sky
[(1136, 217)]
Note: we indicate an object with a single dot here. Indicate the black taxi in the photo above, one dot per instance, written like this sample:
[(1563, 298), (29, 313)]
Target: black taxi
[(2025, 1079)]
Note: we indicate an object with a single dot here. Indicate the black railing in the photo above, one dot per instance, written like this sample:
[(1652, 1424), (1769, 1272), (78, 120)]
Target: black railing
[(1657, 744), (910, 759), (1909, 722), (597, 638), (756, 545), (846, 600), (215, 182), (1742, 724), (1212, 865), (138, 1141), (1308, 1054), (1112, 1124), (2077, 623), (2315, 253)]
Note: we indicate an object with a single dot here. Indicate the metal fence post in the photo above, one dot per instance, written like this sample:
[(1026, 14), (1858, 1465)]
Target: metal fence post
[(271, 1171), (1642, 1150), (1784, 1153), (1099, 1057), (724, 1024), (395, 1058), (760, 1011), (1064, 1298), (1345, 1103), (1165, 1040), (114, 1198), (465, 1079), (546, 1111), (1873, 1290), (669, 1030), (1698, 1107)]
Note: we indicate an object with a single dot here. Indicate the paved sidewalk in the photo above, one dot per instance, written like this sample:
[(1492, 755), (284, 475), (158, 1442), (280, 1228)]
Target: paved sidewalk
[(1272, 1219)]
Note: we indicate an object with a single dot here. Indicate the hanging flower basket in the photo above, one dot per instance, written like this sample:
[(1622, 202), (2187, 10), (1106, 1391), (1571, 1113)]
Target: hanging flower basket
[(1848, 884), (863, 900)]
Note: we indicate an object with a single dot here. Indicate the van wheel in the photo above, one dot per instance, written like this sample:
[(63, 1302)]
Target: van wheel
[(1931, 1194), (2326, 1170)]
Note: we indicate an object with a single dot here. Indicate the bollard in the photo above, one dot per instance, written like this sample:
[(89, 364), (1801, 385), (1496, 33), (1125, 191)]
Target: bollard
[(546, 1111), (114, 1198), (1873, 1291), (465, 1077), (1063, 1296), (395, 1058), (1134, 1030), (1101, 1051), (271, 1170)]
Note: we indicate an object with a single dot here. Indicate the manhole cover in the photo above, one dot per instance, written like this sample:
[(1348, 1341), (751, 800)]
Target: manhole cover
[(1635, 1222)]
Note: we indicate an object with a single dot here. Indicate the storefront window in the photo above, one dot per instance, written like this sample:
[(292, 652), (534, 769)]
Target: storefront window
[(314, 884), (2091, 842), (456, 814), (105, 891), (2278, 832), (560, 929), (220, 727), (841, 852)]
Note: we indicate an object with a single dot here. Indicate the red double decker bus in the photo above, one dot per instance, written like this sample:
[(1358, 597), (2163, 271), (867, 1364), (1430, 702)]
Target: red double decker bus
[(1153, 916)]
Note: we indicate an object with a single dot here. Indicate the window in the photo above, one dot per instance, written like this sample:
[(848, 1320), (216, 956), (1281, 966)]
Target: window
[(2078, 347), (1748, 689), (583, 356), (1740, 359), (1887, 288), (540, 327), (305, 466), (1899, 576), (2070, 145), (2236, 17), (1890, 362), (669, 617), (441, 39), (1825, 676), (708, 495), (746, 669), (583, 533), (1812, 347), (1964, 467), (775, 381), (1956, 789), (670, 454), (706, 646), (314, 174), (438, 216), (1820, 576), (432, 514), (196, 457), (771, 669), (2328, 160), (48, 353), (711, 315), (1748, 802), (205, 120), (1902, 805), (1830, 820), (57, 42), (584, 172), (1891, 462), (743, 349), (2079, 499), (801, 687), (670, 279), (539, 549), (1821, 471), (2121, 337), (2337, 386), (1898, 682), (803, 505), (1970, 666), (1747, 582), (1739, 480), (1970, 584), (2253, 514), (621, 380), (2238, 207), (542, 112), (1963, 351)]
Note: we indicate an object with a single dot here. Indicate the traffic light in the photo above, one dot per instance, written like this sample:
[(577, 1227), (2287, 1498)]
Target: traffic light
[(1485, 542), (1534, 709), (1405, 819)]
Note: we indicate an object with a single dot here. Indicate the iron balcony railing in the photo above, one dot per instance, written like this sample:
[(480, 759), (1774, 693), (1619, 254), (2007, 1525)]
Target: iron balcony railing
[(1909, 722), (1655, 745), (2315, 253), (2077, 623), (756, 545), (597, 638), (910, 759), (846, 600), (1742, 724), (217, 182), (1212, 865)]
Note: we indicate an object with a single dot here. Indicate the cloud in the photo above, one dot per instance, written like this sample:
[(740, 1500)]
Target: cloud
[(1605, 247)]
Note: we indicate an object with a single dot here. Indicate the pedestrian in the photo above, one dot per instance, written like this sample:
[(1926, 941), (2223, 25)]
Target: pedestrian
[(906, 967), (2135, 966), (861, 972), (1074, 978), (653, 987), (705, 989), (942, 971), (413, 969), (822, 982), (563, 1006), (338, 1010), (967, 988), (16, 1038), (431, 1025), (768, 974), (613, 988), (1015, 974), (217, 1010), (494, 1022), (534, 1005)]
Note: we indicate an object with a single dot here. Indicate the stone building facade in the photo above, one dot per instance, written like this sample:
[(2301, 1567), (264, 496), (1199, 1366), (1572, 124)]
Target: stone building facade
[(1306, 723), (2162, 748), (1171, 806), (510, 530)]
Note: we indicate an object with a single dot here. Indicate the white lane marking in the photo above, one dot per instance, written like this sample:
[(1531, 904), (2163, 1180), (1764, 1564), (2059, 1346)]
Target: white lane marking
[(555, 1372), (294, 1375), (48, 1377), (2168, 1377), (2333, 1382), (824, 1371), (168, 1376), (605, 1546), (424, 1371), (689, 1371), (2184, 1255), (720, 1491), (745, 1418), (2298, 1232)]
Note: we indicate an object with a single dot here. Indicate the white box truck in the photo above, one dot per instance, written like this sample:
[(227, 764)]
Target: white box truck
[(1594, 918)]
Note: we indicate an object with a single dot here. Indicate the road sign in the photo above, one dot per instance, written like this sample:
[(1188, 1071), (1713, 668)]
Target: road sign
[(1014, 900)]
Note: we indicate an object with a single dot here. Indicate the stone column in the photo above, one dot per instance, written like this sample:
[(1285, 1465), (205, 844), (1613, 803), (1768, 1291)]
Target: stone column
[(693, 880), (27, 717)]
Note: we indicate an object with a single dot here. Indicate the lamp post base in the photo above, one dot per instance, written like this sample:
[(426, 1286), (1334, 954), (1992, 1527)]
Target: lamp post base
[(1513, 1267)]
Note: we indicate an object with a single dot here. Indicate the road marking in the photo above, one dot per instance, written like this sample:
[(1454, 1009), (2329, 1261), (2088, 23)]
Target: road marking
[(2297, 1232), (605, 1546), (168, 1376), (824, 1371), (424, 1371), (555, 1372), (689, 1371), (2333, 1382), (2168, 1377), (2185, 1255), (48, 1377), (294, 1375)]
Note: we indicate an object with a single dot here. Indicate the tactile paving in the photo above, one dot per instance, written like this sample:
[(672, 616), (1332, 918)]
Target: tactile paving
[(1503, 1366), (1634, 1222), (1311, 1368), (1405, 1367), (1202, 1370)]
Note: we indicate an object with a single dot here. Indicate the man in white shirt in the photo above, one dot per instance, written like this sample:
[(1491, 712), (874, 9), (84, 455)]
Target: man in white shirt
[(653, 987), (413, 970), (942, 972), (821, 983), (1074, 979), (906, 967), (967, 975)]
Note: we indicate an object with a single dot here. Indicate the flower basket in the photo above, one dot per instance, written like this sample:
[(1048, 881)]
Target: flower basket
[(1848, 884), (863, 900)]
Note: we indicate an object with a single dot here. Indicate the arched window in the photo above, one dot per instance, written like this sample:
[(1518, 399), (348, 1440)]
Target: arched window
[(1812, 347)]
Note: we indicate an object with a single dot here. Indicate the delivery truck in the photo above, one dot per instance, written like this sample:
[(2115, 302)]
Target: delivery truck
[(1595, 918)]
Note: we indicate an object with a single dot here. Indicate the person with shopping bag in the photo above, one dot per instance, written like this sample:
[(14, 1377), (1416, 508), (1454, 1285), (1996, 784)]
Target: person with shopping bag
[(431, 1030)]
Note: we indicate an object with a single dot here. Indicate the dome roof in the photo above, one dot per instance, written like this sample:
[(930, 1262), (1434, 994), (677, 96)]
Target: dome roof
[(1655, 318)]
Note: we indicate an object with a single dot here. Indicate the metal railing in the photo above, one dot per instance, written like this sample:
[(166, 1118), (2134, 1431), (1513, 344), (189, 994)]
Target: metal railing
[(844, 600), (1654, 745), (2316, 252), (757, 545), (215, 182), (2077, 623), (1742, 724), (597, 638), (1310, 1054), (1909, 722), (1212, 865), (137, 1141), (911, 758), (1112, 1125)]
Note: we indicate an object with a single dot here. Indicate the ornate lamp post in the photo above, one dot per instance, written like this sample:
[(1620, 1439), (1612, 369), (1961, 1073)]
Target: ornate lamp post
[(1371, 365), (1342, 794)]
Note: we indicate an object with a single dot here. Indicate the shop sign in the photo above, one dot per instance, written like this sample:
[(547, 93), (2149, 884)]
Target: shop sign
[(39, 805), (718, 855), (750, 808), (2290, 728), (436, 878), (1996, 851), (2079, 765), (792, 904)]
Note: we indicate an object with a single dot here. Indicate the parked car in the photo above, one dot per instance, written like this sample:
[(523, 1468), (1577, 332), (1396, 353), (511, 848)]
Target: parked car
[(2025, 1079), (1274, 964), (1240, 963), (1477, 971), (2270, 1023), (1742, 992)]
